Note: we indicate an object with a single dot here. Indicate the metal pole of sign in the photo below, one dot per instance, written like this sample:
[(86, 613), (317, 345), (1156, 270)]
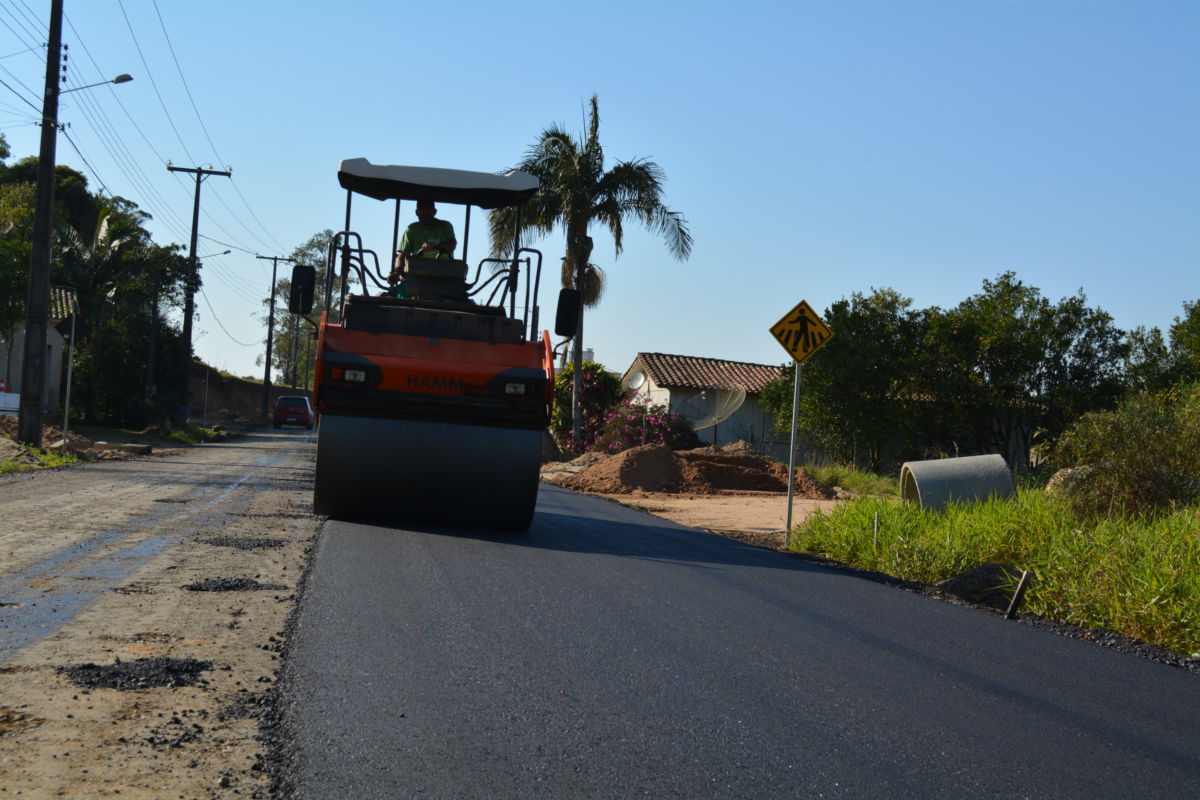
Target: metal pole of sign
[(792, 453)]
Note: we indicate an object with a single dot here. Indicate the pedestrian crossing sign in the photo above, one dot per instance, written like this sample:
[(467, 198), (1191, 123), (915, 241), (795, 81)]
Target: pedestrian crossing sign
[(801, 332)]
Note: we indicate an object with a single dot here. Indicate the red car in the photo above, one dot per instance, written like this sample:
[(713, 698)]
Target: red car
[(293, 410)]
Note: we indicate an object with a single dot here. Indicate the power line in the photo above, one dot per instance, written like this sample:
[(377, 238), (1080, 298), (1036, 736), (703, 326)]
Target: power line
[(204, 128), (112, 142), (22, 97), (19, 52), (20, 82), (178, 180), (34, 22), (153, 83), (36, 30), (183, 80), (222, 327), (227, 244), (86, 163)]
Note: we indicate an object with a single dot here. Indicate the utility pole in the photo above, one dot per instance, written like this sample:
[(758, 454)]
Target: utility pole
[(189, 302), (292, 352), (150, 387), (37, 299), (270, 331)]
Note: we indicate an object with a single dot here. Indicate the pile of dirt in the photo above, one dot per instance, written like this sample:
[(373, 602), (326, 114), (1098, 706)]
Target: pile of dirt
[(52, 440), (707, 470), (650, 468)]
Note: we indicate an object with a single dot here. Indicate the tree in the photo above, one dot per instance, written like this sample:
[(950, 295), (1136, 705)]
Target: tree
[(292, 356), (1148, 366), (118, 274), (1185, 342), (73, 203), (983, 377), (16, 225), (577, 191)]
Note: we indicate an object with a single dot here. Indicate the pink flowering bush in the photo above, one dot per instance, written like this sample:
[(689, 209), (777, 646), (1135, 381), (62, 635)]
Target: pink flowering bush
[(630, 424), (602, 391)]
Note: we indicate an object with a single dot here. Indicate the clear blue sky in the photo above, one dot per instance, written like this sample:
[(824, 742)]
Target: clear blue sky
[(816, 148)]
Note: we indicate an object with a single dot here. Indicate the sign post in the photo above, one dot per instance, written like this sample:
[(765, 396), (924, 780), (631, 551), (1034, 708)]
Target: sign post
[(801, 332)]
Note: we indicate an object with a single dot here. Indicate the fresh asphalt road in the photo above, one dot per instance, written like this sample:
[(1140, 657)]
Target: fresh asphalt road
[(608, 653)]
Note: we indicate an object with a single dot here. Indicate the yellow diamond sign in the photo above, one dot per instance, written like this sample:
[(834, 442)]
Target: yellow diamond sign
[(801, 332)]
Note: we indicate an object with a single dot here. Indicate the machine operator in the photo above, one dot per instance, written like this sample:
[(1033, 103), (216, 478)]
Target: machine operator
[(428, 237)]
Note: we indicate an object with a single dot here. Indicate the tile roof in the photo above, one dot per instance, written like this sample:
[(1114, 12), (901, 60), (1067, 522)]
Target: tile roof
[(693, 372)]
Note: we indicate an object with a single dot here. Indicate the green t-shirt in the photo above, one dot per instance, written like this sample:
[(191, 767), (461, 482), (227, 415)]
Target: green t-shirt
[(417, 234)]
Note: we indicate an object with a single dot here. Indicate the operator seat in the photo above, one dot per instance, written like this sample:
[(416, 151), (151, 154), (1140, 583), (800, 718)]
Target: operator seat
[(437, 279)]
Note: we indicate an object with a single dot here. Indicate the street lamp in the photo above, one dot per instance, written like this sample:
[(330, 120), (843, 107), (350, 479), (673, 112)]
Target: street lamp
[(122, 78), (37, 299)]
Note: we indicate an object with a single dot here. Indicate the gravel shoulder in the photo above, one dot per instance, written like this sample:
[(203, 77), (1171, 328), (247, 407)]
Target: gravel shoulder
[(120, 565)]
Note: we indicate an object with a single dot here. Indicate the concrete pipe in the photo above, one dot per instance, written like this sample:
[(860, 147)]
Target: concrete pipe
[(934, 484)]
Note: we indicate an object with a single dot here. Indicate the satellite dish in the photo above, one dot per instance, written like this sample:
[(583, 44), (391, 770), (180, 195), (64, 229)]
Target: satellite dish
[(636, 380), (724, 401)]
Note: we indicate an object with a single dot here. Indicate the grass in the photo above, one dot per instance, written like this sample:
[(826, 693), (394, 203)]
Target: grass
[(855, 480), (1137, 576), (46, 460)]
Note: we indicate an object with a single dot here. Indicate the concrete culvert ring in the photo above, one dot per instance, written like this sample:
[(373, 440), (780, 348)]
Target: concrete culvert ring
[(933, 485), (231, 585), (144, 673)]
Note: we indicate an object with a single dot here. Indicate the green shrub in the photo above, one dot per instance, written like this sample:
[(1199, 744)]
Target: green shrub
[(1141, 458)]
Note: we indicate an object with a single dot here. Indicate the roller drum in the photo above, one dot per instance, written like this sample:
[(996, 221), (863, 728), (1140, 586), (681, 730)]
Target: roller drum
[(426, 471)]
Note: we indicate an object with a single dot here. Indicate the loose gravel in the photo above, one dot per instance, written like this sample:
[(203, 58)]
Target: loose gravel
[(231, 585), (243, 542), (144, 673)]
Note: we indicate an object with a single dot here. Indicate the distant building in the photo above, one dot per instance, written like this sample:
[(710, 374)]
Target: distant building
[(12, 350), (700, 389)]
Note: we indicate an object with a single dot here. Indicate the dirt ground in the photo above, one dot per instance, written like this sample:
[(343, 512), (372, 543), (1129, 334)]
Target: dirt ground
[(731, 491), (756, 517), (142, 605)]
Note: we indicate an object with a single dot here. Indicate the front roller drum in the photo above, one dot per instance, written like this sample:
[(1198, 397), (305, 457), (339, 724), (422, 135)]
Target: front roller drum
[(430, 472)]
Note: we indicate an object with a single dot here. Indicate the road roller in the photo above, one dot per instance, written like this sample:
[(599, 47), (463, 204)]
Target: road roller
[(433, 400)]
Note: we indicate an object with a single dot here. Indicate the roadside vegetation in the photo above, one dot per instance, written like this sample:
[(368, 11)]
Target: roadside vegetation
[(16, 457), (1113, 540), (38, 459), (859, 481), (126, 290)]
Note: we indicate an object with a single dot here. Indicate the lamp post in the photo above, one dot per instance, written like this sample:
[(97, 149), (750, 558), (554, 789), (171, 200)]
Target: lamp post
[(37, 298)]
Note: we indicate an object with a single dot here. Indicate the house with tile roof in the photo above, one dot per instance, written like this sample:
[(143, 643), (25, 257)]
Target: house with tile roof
[(12, 350), (692, 386)]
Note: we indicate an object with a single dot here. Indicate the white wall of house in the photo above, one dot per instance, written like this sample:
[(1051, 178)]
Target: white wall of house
[(13, 352), (749, 423)]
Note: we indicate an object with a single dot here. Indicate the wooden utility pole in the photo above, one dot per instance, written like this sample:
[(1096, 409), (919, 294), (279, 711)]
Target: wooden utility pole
[(193, 280), (266, 398), (37, 303)]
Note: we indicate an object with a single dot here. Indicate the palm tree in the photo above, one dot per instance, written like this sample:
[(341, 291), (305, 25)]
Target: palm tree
[(576, 191)]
